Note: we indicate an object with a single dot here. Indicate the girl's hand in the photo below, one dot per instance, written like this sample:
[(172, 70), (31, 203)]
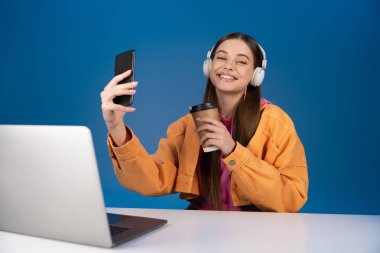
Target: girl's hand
[(113, 114), (216, 135)]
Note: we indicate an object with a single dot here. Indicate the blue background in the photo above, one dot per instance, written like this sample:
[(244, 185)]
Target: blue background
[(323, 70)]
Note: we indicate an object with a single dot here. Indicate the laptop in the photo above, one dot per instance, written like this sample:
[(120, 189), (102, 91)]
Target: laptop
[(50, 187)]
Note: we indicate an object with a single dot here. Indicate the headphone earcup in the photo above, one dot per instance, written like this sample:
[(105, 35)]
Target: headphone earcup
[(207, 67), (257, 77)]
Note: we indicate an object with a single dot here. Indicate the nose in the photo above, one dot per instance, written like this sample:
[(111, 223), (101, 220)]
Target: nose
[(228, 66)]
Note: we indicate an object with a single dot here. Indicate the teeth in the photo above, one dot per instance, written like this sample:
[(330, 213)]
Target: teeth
[(227, 77)]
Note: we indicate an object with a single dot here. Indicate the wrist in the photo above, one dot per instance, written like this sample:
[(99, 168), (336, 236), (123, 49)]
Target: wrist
[(115, 126), (230, 152), (119, 134)]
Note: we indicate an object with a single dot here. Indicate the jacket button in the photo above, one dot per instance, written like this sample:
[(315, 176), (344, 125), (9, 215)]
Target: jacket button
[(232, 162), (245, 198)]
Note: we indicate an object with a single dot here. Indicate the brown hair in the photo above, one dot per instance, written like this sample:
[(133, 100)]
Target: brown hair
[(246, 120)]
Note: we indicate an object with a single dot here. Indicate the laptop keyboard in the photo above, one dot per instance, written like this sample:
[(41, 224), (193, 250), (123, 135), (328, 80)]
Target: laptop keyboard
[(115, 230)]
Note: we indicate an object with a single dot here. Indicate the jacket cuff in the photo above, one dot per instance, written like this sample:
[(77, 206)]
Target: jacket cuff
[(125, 151), (237, 158)]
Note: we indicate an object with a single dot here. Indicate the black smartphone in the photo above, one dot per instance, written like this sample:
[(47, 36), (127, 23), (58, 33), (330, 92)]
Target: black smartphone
[(123, 62)]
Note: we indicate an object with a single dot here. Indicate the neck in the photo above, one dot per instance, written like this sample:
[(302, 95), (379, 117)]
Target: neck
[(228, 104)]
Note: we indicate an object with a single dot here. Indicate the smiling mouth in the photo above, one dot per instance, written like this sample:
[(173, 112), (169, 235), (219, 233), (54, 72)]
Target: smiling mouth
[(227, 78)]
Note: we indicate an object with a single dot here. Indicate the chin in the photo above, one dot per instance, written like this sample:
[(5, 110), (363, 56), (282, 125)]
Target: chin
[(227, 90), (228, 87)]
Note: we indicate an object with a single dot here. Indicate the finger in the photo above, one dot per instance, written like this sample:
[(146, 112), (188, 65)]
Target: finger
[(108, 96), (116, 79), (130, 85), (122, 108), (116, 107), (212, 142), (109, 92), (124, 92), (210, 120), (209, 136), (114, 93), (210, 128)]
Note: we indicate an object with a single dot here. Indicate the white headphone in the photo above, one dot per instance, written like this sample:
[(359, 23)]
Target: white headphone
[(258, 73)]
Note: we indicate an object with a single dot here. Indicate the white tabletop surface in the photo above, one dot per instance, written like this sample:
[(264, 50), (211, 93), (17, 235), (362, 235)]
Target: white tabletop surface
[(209, 231)]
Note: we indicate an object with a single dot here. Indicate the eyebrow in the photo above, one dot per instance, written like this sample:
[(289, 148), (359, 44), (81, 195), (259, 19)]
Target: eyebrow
[(222, 51)]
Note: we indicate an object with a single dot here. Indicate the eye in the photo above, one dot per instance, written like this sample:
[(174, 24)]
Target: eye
[(221, 58), (242, 62)]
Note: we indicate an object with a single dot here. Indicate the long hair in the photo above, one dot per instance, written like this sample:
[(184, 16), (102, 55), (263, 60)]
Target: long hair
[(246, 120)]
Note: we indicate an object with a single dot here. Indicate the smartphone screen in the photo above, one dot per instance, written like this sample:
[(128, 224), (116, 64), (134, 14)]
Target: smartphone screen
[(123, 62)]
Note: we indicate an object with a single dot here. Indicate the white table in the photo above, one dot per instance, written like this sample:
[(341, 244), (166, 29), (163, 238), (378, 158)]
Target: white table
[(234, 232)]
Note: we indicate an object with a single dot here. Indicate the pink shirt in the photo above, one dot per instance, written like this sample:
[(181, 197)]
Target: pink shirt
[(201, 203)]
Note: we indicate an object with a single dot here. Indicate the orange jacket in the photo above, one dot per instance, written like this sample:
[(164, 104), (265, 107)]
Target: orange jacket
[(270, 173)]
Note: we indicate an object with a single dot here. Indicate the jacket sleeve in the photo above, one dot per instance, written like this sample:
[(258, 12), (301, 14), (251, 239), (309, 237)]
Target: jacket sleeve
[(278, 185), (150, 175)]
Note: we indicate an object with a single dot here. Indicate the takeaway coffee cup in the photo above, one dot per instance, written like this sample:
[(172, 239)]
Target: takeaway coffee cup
[(201, 111)]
